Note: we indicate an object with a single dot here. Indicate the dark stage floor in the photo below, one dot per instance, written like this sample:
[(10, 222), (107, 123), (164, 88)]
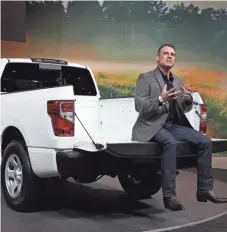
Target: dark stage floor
[(103, 206)]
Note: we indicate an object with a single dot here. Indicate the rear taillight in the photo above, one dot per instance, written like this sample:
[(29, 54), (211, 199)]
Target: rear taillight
[(203, 118), (61, 113)]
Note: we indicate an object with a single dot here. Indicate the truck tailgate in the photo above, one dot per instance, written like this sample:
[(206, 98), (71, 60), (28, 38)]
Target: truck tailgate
[(152, 149)]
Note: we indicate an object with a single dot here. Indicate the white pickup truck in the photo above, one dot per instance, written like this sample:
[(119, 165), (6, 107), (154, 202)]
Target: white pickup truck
[(54, 125)]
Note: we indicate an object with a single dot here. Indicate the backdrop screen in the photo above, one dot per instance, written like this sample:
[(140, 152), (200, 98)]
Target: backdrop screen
[(13, 20), (119, 40)]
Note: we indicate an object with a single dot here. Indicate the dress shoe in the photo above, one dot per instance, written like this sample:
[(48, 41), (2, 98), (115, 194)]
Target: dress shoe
[(209, 195), (172, 203)]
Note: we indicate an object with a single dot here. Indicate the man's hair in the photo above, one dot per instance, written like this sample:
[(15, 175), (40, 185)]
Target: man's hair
[(166, 45)]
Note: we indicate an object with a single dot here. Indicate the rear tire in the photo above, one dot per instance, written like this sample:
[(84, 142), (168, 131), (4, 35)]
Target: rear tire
[(20, 187), (140, 188)]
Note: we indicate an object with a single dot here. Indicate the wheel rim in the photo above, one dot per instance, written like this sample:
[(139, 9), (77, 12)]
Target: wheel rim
[(13, 175)]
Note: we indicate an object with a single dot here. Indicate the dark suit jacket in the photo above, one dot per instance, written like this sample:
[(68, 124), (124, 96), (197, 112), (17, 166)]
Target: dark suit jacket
[(152, 116)]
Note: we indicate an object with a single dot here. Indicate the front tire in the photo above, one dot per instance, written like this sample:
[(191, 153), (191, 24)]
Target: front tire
[(142, 187), (20, 187)]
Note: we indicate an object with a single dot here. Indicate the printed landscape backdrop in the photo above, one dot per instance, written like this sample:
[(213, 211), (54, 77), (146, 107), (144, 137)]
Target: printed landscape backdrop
[(118, 40)]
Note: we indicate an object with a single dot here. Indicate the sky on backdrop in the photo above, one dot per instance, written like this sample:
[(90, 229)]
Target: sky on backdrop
[(201, 4)]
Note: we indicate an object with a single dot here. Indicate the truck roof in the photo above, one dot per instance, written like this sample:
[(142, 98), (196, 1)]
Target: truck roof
[(43, 60)]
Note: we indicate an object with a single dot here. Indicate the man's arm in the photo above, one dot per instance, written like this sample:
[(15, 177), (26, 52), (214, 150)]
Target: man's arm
[(186, 99), (143, 102)]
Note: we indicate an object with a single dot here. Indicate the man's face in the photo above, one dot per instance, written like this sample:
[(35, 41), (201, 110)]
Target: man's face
[(167, 57)]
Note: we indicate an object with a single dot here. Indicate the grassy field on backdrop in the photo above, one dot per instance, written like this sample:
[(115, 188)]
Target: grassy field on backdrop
[(212, 86)]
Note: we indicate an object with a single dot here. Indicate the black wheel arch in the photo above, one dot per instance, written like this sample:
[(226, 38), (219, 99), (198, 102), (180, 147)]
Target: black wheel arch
[(9, 134)]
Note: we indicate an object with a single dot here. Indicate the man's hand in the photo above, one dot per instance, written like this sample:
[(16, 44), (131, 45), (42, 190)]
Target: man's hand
[(169, 95), (187, 93)]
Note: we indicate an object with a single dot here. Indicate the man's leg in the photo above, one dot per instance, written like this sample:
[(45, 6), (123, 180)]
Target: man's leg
[(168, 168), (203, 146)]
